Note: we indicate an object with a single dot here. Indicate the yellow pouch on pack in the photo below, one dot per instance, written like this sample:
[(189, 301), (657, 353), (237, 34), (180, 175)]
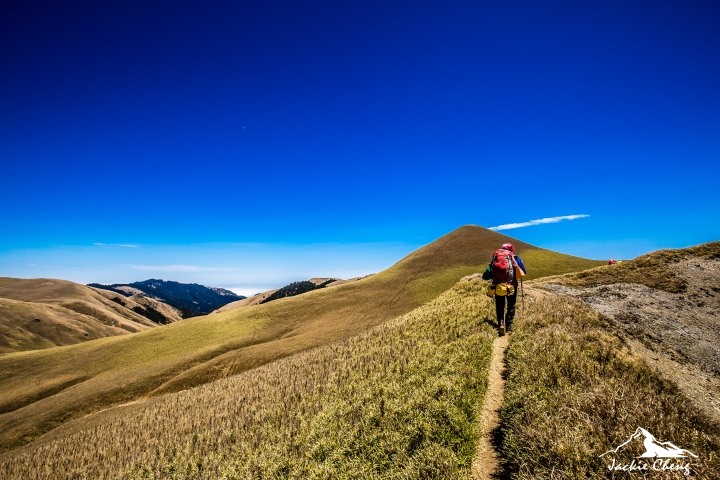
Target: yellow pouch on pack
[(503, 289), (491, 291)]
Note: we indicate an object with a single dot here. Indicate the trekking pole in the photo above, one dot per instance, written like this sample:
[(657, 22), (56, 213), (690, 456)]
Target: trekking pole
[(522, 293)]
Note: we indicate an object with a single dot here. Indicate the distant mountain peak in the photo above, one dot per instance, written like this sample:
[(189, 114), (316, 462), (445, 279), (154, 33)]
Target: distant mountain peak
[(191, 299)]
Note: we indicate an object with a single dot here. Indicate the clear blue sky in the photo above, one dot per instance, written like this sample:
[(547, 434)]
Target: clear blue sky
[(221, 135)]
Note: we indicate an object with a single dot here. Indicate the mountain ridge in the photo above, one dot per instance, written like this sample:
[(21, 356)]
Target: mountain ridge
[(191, 299)]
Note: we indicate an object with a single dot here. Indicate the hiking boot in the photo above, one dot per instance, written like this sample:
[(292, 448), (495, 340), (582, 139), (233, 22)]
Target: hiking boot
[(502, 330)]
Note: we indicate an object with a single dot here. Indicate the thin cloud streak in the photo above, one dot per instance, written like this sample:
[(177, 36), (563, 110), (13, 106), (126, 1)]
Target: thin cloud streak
[(509, 226), (175, 268), (127, 245)]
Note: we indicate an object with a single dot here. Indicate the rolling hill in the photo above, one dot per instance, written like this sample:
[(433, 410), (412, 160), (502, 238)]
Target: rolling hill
[(397, 399), (189, 298), (401, 400), (43, 312), (43, 389)]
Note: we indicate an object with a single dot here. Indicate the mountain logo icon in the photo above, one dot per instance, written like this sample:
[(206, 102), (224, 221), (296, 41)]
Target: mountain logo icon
[(653, 447)]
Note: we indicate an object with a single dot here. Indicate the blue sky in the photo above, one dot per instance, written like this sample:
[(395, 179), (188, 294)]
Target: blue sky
[(277, 140)]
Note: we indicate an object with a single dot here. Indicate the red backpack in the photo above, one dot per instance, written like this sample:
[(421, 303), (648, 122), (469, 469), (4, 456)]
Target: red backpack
[(502, 266)]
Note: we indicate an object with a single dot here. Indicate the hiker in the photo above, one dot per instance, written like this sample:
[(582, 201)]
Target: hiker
[(612, 262), (504, 270)]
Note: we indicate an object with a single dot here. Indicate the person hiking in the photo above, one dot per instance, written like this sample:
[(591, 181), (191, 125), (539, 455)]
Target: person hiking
[(504, 275)]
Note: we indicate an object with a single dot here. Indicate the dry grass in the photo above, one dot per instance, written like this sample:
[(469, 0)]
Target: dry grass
[(651, 270), (204, 349), (58, 312), (32, 326), (542, 263), (575, 391), (399, 401)]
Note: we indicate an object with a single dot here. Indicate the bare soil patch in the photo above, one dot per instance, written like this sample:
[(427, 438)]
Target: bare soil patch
[(676, 333)]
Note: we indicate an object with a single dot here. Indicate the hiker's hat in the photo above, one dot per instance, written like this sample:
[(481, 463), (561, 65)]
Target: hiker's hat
[(508, 246)]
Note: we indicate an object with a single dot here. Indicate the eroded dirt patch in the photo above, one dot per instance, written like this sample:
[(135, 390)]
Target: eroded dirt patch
[(677, 333)]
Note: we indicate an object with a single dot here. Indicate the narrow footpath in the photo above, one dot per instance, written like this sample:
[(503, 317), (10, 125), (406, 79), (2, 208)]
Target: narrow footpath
[(486, 464)]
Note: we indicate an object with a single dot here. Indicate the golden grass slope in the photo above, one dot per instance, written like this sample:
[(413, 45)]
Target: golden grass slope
[(31, 326), (75, 297), (398, 401), (116, 370), (651, 270), (575, 391), (245, 302), (43, 312), (170, 313)]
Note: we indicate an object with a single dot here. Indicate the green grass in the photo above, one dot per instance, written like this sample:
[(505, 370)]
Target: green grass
[(426, 288), (399, 401), (19, 307), (542, 263), (574, 391)]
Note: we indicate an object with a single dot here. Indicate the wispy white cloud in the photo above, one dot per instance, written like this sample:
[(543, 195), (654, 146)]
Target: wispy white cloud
[(509, 226), (174, 268), (128, 245)]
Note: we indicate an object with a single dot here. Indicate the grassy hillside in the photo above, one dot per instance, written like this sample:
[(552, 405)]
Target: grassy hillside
[(31, 326), (652, 270), (43, 389), (154, 310), (247, 302), (399, 401), (43, 312), (575, 391)]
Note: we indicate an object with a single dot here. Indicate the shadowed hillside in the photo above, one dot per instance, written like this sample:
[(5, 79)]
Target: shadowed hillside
[(191, 299), (199, 350), (150, 308)]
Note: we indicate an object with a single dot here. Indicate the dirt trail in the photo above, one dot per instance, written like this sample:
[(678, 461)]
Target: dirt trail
[(486, 464)]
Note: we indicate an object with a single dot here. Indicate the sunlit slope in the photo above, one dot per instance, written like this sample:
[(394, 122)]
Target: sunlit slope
[(44, 312), (196, 351), (75, 297), (398, 401), (32, 326)]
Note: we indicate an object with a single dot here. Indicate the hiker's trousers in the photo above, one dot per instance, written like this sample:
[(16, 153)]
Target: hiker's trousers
[(500, 308)]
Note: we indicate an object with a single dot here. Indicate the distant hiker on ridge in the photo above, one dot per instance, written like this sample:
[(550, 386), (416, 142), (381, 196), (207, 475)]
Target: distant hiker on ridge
[(504, 270)]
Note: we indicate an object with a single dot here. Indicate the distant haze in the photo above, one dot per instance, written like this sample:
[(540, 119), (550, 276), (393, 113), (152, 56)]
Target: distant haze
[(245, 269)]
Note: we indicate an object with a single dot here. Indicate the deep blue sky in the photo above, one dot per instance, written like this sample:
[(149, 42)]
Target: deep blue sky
[(390, 123)]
